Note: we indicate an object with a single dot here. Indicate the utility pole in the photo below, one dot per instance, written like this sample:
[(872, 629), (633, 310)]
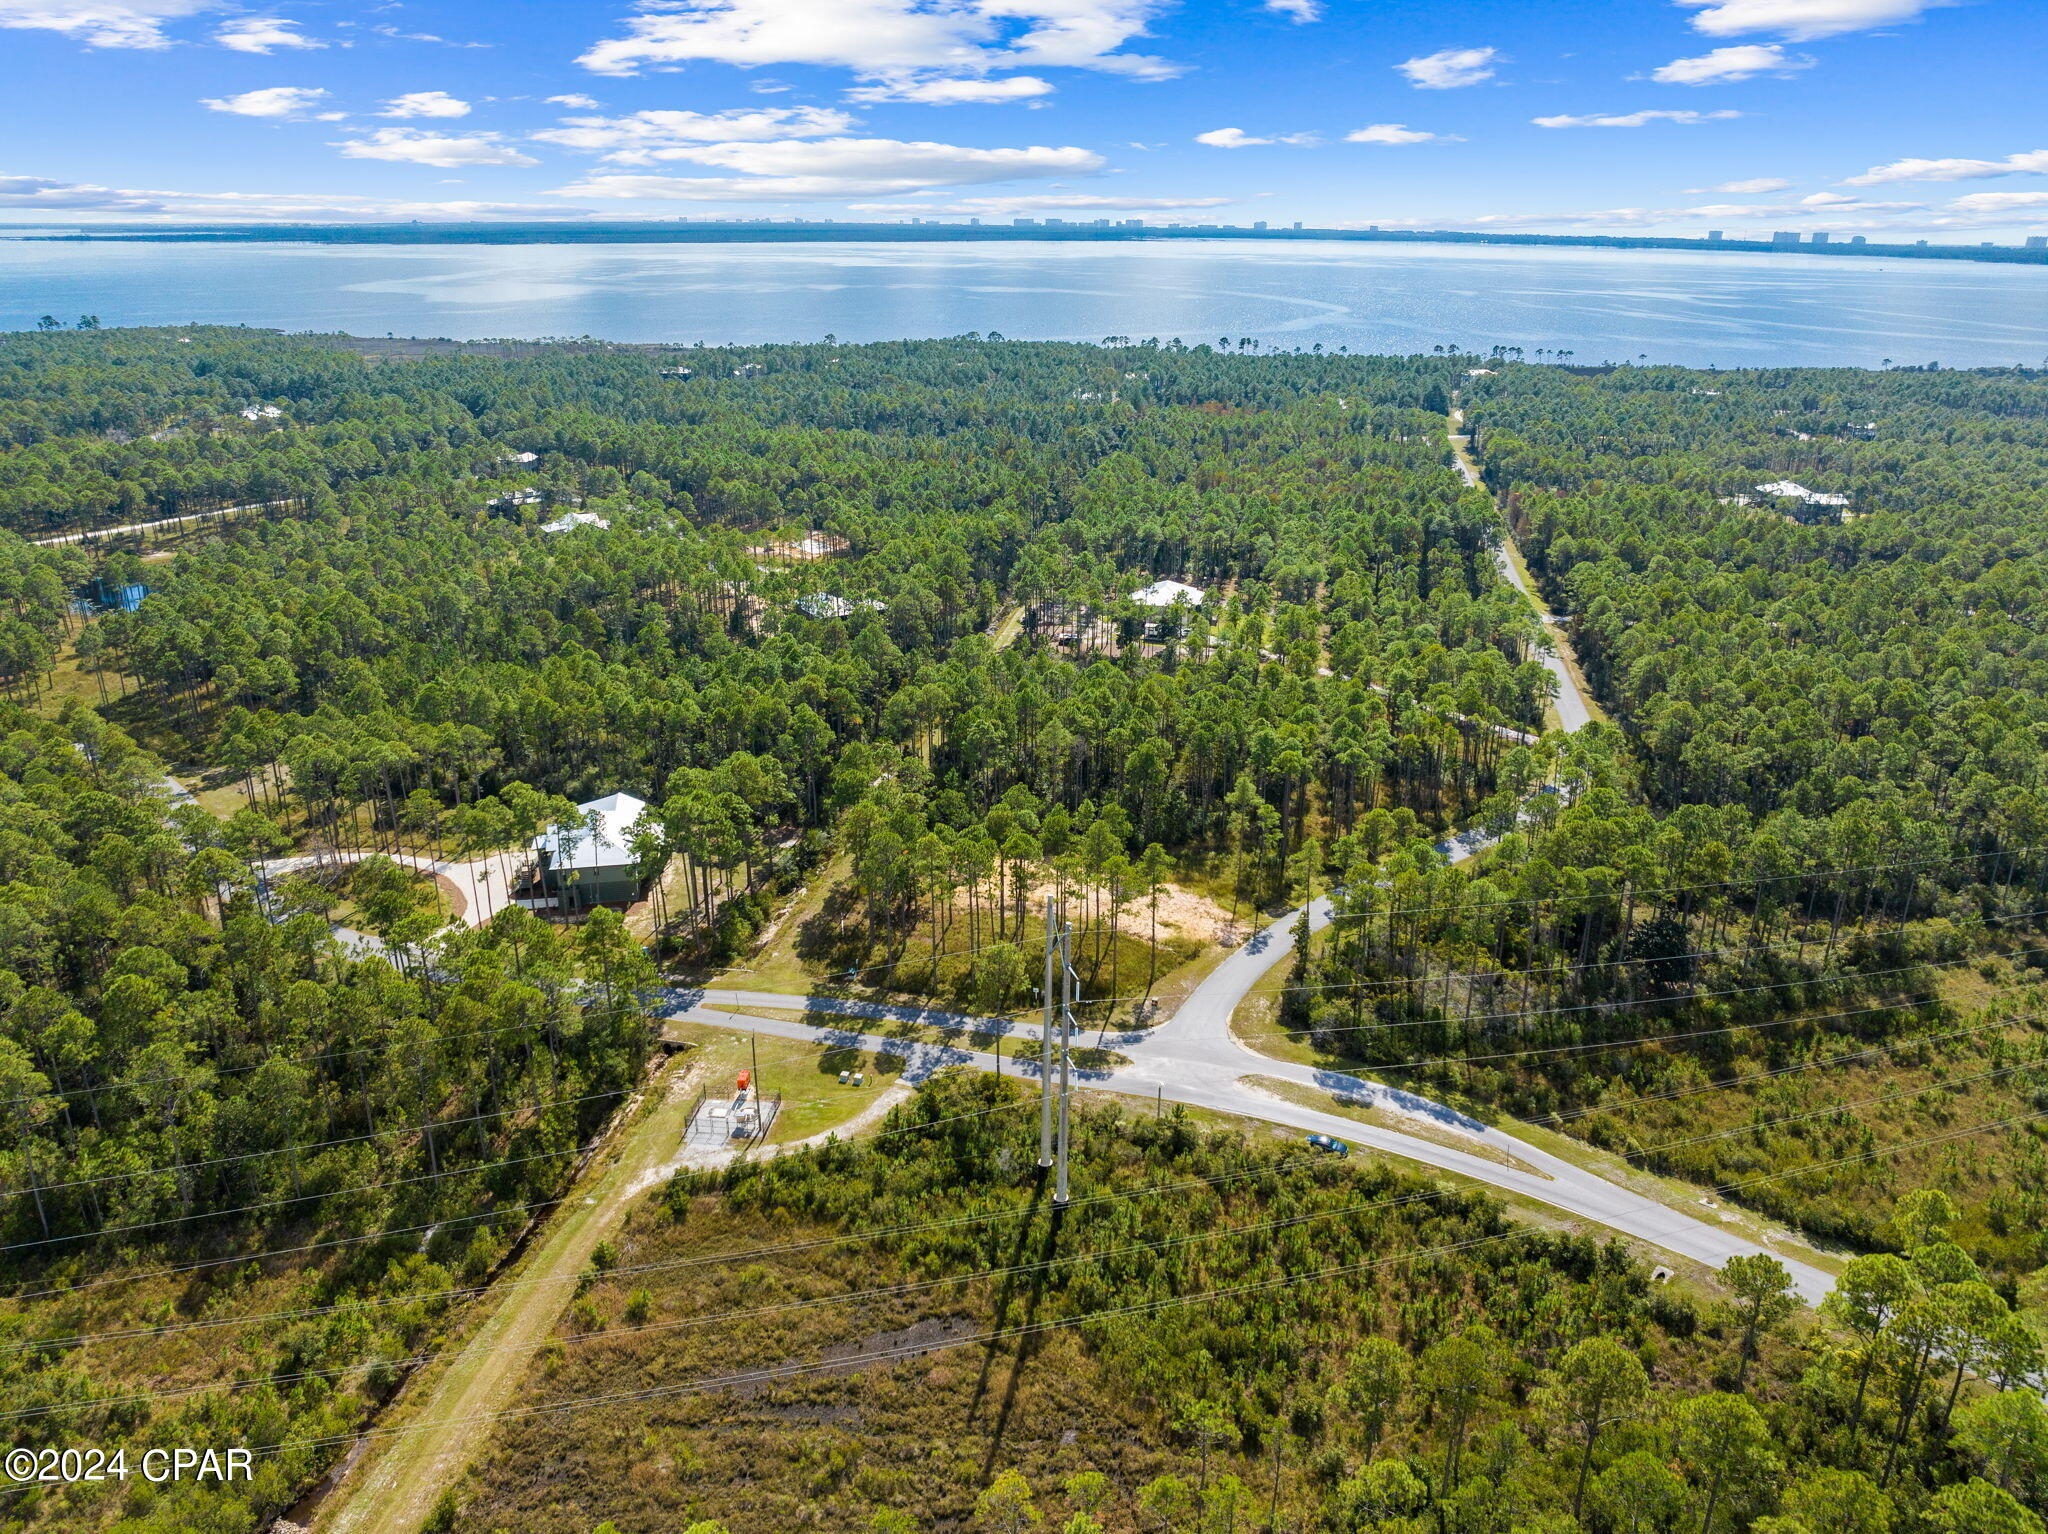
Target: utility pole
[(1071, 982), (754, 1053), (1045, 1048)]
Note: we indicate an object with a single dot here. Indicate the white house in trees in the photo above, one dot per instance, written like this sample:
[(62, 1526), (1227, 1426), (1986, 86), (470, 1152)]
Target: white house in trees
[(1173, 601), (1166, 593), (591, 864)]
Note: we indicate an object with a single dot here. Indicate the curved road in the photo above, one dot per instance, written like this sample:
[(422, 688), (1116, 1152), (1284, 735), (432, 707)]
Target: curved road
[(1195, 1059)]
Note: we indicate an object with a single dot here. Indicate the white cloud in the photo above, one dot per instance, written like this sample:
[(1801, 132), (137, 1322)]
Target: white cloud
[(1452, 68), (393, 33), (883, 39), (1078, 202), (1397, 133), (1297, 10), (930, 163), (1836, 202), (39, 195), (1724, 66), (263, 34), (1801, 20), (415, 146), (1752, 184), (425, 104), (2032, 162), (101, 23), (943, 92), (1999, 202), (576, 100), (777, 189), (642, 138), (280, 101), (1631, 119), (1237, 138), (793, 170)]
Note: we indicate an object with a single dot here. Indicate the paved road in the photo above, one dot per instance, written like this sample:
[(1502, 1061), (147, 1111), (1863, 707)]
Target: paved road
[(481, 884), (1194, 1058)]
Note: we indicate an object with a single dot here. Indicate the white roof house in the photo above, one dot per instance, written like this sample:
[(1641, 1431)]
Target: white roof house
[(522, 458), (574, 519), (609, 844), (1793, 490), (1166, 593), (261, 413), (825, 605)]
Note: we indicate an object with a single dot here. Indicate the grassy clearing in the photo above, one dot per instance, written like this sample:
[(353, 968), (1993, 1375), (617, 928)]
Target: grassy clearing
[(820, 945), (805, 1071)]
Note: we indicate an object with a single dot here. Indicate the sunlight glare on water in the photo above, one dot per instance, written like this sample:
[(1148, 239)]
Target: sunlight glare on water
[(1602, 305)]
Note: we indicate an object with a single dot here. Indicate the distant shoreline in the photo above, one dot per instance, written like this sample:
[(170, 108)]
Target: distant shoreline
[(811, 234)]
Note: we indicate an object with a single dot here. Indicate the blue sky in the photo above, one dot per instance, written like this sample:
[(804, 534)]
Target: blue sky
[(1892, 118)]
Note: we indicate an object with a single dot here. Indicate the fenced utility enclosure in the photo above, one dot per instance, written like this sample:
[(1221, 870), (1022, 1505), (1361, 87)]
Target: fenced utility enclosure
[(719, 1122)]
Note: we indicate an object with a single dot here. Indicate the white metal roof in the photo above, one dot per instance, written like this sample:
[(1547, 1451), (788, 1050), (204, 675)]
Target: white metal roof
[(1166, 593), (570, 519), (609, 845), (1797, 491)]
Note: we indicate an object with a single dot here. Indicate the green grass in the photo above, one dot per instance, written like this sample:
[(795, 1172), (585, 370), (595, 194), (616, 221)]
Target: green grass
[(804, 1071)]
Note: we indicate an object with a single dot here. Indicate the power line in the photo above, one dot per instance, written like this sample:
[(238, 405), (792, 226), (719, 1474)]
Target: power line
[(344, 1054), (1786, 1070), (1815, 1113), (1653, 1038), (758, 1311), (381, 1301), (1623, 891), (1555, 972), (294, 1150), (924, 1285), (915, 1228), (297, 1198), (1640, 1001), (786, 1371), (1549, 1012), (285, 1251), (242, 1070)]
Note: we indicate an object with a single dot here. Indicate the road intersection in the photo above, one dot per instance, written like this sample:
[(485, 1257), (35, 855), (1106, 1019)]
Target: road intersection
[(1194, 1057)]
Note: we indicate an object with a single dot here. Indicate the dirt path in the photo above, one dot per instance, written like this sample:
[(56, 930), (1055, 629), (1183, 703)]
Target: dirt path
[(1574, 707), (119, 529), (395, 1486)]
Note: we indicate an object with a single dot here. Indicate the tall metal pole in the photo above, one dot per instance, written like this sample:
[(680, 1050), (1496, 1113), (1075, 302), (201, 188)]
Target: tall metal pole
[(1045, 1048), (1071, 981), (754, 1053)]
